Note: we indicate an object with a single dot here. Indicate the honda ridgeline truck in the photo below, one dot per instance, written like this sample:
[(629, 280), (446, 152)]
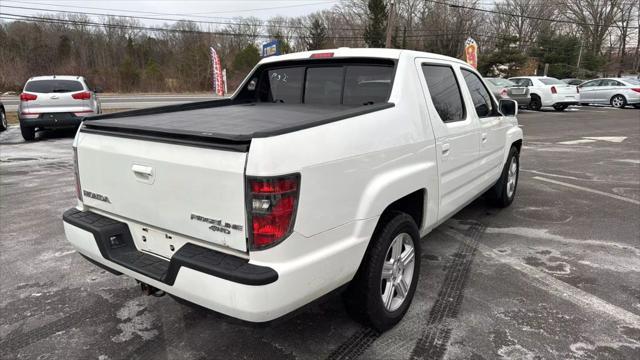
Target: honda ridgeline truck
[(322, 172)]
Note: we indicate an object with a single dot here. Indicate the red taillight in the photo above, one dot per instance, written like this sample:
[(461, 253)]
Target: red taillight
[(28, 97), (272, 204), (553, 90), (636, 89), (323, 55), (77, 173), (504, 93), (85, 95)]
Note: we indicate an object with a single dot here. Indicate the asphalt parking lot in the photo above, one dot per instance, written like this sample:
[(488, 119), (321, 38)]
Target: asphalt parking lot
[(555, 276)]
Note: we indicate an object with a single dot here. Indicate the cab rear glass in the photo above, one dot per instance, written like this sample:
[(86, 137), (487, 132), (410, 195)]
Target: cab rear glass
[(53, 86), (325, 83)]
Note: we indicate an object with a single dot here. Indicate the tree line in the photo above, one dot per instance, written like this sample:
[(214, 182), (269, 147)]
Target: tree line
[(577, 38)]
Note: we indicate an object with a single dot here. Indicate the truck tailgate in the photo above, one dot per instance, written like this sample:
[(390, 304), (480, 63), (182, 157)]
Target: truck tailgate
[(191, 191)]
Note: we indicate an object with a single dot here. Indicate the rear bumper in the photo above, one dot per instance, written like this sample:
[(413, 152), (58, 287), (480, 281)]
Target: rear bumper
[(224, 283), (53, 120)]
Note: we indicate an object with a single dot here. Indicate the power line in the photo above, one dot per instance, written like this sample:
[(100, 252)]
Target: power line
[(35, 19)]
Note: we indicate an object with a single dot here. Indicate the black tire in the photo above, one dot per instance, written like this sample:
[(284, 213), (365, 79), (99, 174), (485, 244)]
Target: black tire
[(499, 195), (535, 103), (560, 107), (3, 120), (618, 101), (28, 132), (363, 298)]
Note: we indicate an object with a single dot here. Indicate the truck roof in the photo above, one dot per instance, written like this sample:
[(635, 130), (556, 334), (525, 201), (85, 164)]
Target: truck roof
[(345, 52)]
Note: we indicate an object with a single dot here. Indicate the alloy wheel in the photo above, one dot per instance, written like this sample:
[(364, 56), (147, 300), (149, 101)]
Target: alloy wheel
[(397, 272)]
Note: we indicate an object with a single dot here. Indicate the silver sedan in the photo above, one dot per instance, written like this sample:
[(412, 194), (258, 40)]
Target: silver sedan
[(617, 92), (507, 89)]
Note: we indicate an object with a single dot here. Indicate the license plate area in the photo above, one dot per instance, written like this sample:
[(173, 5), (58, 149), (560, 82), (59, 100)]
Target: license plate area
[(154, 241)]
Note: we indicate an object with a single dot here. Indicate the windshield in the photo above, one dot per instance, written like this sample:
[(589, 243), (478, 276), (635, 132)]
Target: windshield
[(502, 82), (331, 84), (552, 81), (53, 86)]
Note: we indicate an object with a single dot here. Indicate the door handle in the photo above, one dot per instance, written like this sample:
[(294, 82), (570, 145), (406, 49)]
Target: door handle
[(445, 149), (484, 137), (141, 170)]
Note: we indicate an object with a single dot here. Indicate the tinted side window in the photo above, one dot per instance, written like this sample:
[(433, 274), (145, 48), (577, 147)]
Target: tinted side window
[(53, 86), (592, 83), (285, 85), (479, 94), (445, 92), (367, 84), (324, 85)]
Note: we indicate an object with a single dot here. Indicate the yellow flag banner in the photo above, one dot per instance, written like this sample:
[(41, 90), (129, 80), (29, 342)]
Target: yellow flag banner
[(471, 52)]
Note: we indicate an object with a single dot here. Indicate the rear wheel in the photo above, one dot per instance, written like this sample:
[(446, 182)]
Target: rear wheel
[(3, 120), (618, 101), (28, 132), (504, 191), (382, 290), (535, 103), (560, 107)]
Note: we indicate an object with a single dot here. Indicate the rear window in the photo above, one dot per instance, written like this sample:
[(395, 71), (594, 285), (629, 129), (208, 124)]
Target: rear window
[(53, 86), (633, 81), (552, 81), (339, 84), (501, 82)]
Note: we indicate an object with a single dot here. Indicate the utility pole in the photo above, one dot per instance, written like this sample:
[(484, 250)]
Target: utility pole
[(579, 58), (390, 23)]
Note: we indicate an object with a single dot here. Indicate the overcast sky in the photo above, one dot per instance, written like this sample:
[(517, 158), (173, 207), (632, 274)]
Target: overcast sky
[(211, 10)]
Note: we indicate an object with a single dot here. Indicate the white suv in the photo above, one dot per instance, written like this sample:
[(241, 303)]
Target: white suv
[(55, 102), (549, 91)]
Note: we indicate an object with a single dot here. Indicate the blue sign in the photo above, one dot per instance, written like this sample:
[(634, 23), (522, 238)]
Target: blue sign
[(271, 48)]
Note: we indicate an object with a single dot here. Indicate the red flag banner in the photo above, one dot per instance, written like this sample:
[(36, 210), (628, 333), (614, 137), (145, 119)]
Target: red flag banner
[(218, 83)]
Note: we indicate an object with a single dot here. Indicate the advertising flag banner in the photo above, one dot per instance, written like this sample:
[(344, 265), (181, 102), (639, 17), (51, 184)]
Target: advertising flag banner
[(471, 52), (218, 83)]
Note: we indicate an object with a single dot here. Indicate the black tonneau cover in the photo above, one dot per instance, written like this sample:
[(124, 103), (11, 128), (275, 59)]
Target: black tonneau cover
[(233, 123)]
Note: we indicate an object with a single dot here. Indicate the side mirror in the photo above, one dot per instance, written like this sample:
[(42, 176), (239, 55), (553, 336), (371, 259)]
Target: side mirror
[(508, 107), (97, 89)]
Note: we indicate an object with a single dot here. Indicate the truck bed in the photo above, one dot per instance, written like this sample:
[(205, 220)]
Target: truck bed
[(222, 121)]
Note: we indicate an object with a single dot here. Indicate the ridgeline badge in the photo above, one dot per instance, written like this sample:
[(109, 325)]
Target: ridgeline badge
[(217, 224)]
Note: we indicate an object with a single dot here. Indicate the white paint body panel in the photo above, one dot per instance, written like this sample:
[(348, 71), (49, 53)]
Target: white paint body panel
[(350, 170)]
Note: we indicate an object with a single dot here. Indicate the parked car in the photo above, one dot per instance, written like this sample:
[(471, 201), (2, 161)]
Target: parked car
[(52, 102), (3, 118), (548, 91), (618, 92), (573, 81), (323, 169), (507, 89)]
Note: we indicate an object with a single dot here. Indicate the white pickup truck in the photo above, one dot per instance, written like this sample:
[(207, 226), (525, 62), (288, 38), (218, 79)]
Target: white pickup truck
[(322, 172)]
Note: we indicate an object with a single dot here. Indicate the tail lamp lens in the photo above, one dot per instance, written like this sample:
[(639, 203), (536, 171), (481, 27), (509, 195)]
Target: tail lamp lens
[(85, 95), (272, 205), (553, 90), (636, 90), (77, 173), (28, 97)]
